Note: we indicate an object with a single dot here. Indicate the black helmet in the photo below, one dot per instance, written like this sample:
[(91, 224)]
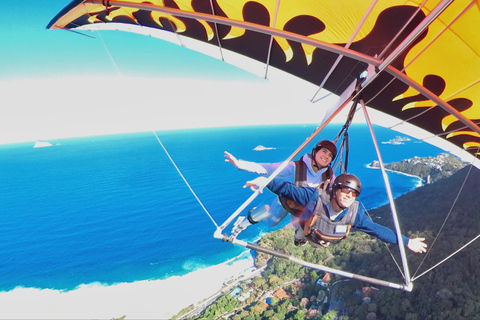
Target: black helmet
[(327, 145), (347, 180)]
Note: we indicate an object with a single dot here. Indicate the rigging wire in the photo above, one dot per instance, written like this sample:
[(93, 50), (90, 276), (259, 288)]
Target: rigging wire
[(269, 54), (109, 54), (217, 34), (158, 139), (185, 180), (441, 229), (385, 244), (344, 145), (80, 33), (450, 256), (338, 165)]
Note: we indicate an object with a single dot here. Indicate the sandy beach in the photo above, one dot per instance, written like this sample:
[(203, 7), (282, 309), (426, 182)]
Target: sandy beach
[(149, 299)]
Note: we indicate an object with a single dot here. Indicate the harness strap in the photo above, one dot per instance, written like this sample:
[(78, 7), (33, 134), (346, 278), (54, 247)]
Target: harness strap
[(300, 173), (291, 206), (320, 228), (315, 235), (300, 181)]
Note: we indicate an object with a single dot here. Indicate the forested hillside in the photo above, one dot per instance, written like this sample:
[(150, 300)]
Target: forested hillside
[(430, 169), (449, 291)]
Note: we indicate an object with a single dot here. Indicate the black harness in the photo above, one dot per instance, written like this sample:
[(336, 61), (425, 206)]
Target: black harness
[(301, 181), (319, 228)]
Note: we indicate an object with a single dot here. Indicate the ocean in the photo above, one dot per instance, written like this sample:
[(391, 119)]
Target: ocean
[(113, 209)]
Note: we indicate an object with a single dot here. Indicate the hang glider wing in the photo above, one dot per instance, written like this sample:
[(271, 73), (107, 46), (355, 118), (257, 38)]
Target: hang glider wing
[(426, 54)]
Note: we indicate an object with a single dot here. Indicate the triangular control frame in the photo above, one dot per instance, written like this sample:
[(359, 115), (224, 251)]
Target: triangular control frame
[(350, 94)]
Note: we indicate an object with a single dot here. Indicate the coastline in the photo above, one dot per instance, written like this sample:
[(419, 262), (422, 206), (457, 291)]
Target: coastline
[(147, 299), (399, 172)]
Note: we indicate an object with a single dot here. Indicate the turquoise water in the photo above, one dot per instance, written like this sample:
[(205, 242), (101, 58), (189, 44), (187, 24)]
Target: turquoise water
[(114, 209)]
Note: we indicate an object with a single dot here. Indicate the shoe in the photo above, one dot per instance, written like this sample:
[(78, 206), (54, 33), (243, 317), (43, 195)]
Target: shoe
[(299, 243), (324, 243), (239, 226)]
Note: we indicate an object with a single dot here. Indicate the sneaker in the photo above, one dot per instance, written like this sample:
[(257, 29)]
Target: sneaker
[(324, 243), (299, 243)]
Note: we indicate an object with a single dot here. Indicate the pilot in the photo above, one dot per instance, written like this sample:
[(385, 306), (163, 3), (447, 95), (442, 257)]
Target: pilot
[(329, 218)]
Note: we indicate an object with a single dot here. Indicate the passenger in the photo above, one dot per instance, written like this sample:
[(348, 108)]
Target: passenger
[(328, 219), (311, 170)]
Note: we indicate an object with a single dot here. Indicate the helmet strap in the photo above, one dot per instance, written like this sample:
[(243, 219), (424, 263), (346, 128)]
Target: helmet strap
[(314, 160)]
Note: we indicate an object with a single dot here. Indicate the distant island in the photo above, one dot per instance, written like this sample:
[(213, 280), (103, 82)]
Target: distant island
[(262, 148), (429, 169), (41, 144), (397, 140)]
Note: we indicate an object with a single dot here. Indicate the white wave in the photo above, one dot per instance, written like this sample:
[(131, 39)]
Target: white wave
[(147, 299)]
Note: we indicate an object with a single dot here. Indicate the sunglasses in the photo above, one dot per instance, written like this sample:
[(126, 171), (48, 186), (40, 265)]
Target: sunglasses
[(347, 190)]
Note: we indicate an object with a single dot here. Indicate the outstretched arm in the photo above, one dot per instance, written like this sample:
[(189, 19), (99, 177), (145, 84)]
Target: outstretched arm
[(301, 195), (417, 245), (244, 165), (365, 224), (257, 183)]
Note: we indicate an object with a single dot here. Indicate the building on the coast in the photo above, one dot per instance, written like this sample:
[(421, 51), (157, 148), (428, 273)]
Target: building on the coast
[(245, 296), (235, 291), (280, 294)]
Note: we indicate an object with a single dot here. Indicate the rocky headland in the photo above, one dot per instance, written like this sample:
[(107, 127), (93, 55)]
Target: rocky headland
[(430, 169)]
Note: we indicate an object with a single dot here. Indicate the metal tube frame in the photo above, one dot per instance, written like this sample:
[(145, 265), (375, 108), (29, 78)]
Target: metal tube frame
[(408, 286), (390, 199), (354, 276)]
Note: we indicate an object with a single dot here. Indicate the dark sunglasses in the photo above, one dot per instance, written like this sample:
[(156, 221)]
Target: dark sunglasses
[(347, 190)]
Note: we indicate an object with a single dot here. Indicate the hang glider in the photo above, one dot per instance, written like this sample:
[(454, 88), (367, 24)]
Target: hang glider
[(425, 54), (422, 58)]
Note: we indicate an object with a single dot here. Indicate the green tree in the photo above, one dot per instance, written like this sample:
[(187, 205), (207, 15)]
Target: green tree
[(279, 316), (330, 315), (300, 314), (275, 281), (258, 308), (468, 309)]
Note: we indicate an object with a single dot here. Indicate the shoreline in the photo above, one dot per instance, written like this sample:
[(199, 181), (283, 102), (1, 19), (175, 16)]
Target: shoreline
[(146, 299), (399, 172)]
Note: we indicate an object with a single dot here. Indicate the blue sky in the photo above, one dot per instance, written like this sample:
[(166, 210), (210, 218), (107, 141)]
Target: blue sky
[(56, 83), (29, 50)]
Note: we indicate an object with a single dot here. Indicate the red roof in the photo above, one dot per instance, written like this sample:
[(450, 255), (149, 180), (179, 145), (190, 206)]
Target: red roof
[(280, 294)]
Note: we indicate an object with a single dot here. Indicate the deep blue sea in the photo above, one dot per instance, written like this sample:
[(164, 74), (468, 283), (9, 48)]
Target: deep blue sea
[(111, 209)]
